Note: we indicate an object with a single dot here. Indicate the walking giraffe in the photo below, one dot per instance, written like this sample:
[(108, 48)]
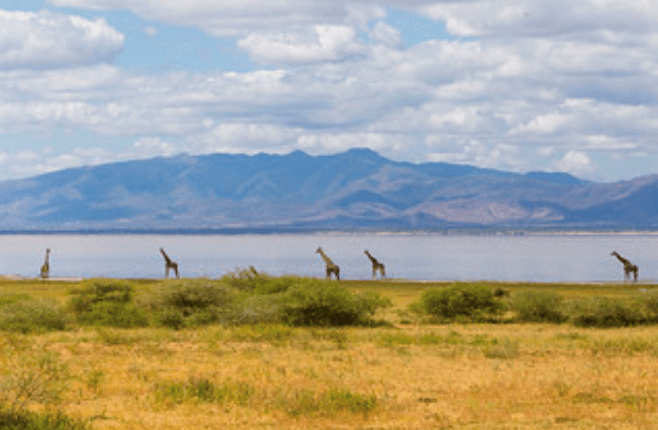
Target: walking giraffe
[(331, 266), (169, 265), (628, 267), (45, 268), (376, 265)]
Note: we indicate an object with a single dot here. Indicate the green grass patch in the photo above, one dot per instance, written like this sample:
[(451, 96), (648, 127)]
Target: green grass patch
[(198, 390), (327, 403), (33, 316), (26, 420)]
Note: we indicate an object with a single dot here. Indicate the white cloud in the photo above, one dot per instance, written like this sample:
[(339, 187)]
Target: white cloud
[(227, 17), (533, 18), (577, 163), (44, 40), (324, 43), (149, 147), (474, 152), (385, 34), (539, 78), (242, 137)]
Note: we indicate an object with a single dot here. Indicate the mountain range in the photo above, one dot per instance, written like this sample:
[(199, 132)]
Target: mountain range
[(356, 189)]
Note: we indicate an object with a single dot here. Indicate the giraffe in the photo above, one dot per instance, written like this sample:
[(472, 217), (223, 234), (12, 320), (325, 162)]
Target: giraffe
[(628, 267), (169, 265), (376, 265), (331, 266), (45, 268)]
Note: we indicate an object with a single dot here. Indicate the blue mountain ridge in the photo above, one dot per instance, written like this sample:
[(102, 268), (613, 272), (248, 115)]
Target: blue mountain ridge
[(355, 189)]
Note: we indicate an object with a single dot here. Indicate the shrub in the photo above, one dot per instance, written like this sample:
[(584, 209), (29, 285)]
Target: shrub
[(112, 314), (107, 303), (538, 306), (648, 301), (193, 302), (313, 302), (26, 420), (461, 300), (250, 280), (99, 290), (605, 313), (29, 316), (259, 309)]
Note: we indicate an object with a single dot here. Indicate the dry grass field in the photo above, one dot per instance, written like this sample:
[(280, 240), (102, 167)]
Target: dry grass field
[(406, 376)]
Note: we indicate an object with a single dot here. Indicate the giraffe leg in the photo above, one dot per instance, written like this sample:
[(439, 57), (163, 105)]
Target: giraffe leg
[(383, 271)]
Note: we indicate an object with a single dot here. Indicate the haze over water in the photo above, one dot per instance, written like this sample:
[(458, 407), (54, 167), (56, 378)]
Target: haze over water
[(529, 257)]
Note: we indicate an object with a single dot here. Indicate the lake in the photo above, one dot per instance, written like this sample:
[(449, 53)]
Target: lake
[(529, 257)]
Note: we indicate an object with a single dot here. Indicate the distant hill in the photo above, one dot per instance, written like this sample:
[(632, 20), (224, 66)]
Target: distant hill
[(355, 189)]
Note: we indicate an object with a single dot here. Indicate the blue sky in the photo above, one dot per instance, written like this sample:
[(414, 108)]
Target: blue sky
[(516, 85)]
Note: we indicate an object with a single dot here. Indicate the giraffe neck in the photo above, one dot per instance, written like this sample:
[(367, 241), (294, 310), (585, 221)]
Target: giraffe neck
[(373, 259), (166, 257), (622, 259), (326, 259)]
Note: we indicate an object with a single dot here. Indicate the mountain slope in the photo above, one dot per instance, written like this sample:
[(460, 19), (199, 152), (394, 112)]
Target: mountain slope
[(355, 189)]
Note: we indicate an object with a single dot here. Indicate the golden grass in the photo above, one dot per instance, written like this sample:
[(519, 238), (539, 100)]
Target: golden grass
[(479, 376)]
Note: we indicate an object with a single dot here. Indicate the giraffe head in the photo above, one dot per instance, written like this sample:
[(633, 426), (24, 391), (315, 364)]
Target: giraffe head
[(614, 253), (319, 250)]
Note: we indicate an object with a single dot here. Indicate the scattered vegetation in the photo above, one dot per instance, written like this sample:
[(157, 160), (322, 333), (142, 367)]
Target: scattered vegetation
[(31, 376), (325, 303), (464, 302), (27, 420), (107, 303), (32, 316), (203, 390), (192, 302), (604, 312), (240, 362), (538, 306)]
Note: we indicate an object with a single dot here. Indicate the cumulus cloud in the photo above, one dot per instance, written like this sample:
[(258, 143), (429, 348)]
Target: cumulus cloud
[(324, 43), (577, 163), (17, 164), (524, 85), (46, 40), (230, 18)]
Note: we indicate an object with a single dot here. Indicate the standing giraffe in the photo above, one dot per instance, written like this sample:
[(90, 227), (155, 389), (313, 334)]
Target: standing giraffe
[(331, 266), (376, 265), (169, 265), (45, 268), (628, 267)]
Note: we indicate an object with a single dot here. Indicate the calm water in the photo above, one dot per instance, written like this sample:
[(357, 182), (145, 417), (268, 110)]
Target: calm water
[(421, 257)]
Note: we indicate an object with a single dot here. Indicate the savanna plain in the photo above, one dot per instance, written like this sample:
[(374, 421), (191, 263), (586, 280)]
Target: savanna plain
[(139, 354)]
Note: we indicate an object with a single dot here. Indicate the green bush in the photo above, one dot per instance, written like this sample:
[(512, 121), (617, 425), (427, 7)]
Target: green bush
[(107, 303), (648, 301), (538, 306), (32, 316), (99, 290), (604, 312), (26, 420), (313, 302), (252, 281), (113, 314), (258, 309), (193, 302), (473, 301)]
